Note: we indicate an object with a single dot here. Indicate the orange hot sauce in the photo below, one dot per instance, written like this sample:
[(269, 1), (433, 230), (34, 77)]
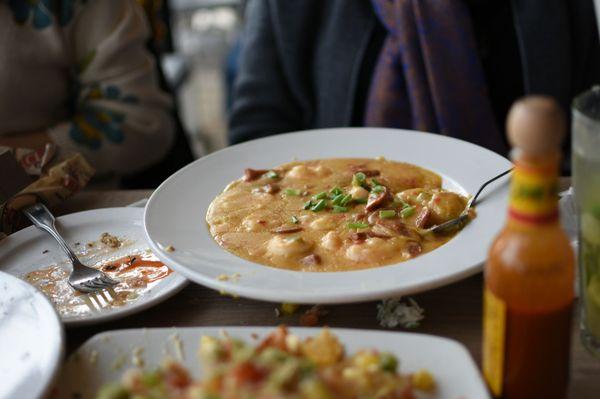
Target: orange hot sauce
[(529, 275)]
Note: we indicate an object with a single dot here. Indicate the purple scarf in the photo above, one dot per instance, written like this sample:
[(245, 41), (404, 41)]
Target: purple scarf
[(428, 76)]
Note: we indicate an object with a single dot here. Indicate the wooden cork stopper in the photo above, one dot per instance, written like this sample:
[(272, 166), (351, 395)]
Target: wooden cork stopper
[(536, 125)]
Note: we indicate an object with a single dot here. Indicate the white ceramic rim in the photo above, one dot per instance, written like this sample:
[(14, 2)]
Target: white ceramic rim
[(465, 167), (43, 387), (459, 370), (120, 214)]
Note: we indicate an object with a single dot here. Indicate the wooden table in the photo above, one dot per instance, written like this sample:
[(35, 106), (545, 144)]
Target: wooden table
[(453, 311)]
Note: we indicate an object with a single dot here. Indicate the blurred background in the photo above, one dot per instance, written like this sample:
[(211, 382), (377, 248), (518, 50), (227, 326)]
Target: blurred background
[(196, 42)]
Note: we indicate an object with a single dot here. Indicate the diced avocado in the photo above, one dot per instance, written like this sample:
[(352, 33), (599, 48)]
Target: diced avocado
[(113, 391)]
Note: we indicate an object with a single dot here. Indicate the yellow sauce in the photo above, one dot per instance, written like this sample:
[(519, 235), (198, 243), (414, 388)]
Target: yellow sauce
[(262, 217)]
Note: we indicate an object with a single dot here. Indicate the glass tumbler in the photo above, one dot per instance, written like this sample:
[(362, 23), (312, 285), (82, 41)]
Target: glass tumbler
[(586, 183)]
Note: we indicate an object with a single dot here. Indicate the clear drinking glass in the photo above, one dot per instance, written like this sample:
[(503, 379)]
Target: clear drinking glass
[(586, 182)]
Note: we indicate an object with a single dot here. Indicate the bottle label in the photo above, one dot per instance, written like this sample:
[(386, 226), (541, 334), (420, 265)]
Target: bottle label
[(494, 337), (534, 194)]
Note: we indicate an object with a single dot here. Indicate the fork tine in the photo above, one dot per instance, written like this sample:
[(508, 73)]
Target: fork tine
[(112, 292), (87, 298), (98, 298), (104, 296)]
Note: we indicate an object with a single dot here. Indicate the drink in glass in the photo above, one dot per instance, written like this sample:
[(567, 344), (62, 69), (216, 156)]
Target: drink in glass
[(586, 182)]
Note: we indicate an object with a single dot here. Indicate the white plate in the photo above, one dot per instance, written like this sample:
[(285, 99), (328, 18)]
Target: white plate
[(175, 215), (23, 252), (31, 338), (450, 363)]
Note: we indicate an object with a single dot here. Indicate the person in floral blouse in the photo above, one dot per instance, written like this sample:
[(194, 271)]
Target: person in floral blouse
[(77, 73)]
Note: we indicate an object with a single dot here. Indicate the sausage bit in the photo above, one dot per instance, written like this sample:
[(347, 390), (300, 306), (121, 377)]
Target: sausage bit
[(253, 174), (287, 229), (378, 200)]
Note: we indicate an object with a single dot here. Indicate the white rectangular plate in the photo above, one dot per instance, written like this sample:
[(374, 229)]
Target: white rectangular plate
[(104, 357)]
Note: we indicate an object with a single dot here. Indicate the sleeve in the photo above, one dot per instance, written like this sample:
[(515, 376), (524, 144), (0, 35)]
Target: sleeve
[(263, 103), (121, 120)]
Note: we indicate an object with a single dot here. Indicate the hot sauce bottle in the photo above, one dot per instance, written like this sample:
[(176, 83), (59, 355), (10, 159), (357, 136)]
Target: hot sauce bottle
[(529, 274)]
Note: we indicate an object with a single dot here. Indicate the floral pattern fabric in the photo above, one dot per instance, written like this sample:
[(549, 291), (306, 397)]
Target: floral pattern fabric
[(117, 117)]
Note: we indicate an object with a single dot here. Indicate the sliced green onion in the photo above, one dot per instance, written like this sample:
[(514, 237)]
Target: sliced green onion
[(335, 192), (361, 200), (339, 209), (320, 196), (295, 220), (398, 201), (359, 179), (319, 206), (388, 362), (291, 192), (408, 211), (346, 200), (387, 214), (377, 189), (271, 174), (336, 200), (358, 225), (374, 182), (307, 205)]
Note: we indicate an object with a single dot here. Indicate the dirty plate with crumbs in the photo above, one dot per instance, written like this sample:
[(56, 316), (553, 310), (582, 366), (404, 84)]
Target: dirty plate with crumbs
[(110, 239), (107, 356)]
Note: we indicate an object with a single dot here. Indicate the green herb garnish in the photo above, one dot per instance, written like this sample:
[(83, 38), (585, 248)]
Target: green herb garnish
[(358, 225), (359, 179), (335, 192), (377, 189), (387, 214), (295, 220), (346, 200), (336, 200), (320, 196), (272, 174), (319, 206), (407, 211), (388, 362), (307, 205)]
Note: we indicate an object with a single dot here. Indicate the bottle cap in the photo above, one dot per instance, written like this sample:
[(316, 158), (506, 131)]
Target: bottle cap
[(536, 125)]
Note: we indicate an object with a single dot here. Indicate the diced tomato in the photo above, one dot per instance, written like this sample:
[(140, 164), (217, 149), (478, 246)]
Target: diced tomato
[(177, 376), (246, 373), (275, 340)]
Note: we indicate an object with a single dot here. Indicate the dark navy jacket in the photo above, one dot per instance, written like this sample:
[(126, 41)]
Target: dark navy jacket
[(307, 63)]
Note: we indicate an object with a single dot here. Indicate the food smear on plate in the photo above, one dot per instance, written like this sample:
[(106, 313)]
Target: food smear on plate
[(136, 273), (333, 214), (281, 366)]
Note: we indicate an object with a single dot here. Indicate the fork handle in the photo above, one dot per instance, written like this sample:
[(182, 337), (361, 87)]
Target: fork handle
[(41, 217), (484, 185)]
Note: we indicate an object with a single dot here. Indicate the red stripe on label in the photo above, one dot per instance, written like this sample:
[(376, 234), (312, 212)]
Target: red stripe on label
[(532, 218)]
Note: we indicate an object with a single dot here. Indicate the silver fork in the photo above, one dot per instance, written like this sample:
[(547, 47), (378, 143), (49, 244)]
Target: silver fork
[(462, 218), (85, 279)]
